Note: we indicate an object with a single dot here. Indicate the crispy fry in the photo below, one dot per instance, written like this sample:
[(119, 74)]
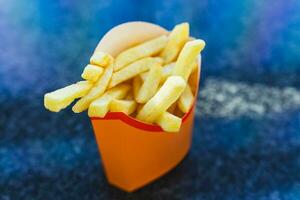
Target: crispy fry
[(136, 84), (61, 98), (166, 72), (163, 99), (95, 92), (186, 57), (150, 84), (177, 38), (101, 59), (100, 106), (125, 106), (92, 72), (186, 100), (143, 50), (132, 70), (144, 75), (169, 122)]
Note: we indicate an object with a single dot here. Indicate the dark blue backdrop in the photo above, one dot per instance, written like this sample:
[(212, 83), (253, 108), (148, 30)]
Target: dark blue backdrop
[(246, 137)]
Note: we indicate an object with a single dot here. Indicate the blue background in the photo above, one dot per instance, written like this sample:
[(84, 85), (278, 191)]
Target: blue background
[(44, 45)]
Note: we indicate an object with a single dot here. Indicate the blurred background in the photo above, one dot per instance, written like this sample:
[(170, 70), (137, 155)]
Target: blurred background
[(246, 142)]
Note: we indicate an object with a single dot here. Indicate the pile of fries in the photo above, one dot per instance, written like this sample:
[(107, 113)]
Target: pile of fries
[(149, 82)]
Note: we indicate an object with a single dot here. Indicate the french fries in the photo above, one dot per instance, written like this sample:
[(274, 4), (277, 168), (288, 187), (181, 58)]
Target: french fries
[(150, 84), (166, 72), (61, 98), (143, 50), (100, 106), (101, 59), (169, 122), (186, 58), (162, 100), (92, 73), (125, 106), (136, 84), (133, 70), (95, 92), (154, 82), (186, 100), (177, 38)]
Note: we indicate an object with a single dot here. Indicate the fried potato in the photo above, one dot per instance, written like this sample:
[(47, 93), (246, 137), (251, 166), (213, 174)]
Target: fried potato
[(144, 75), (100, 106), (187, 56), (163, 99), (125, 106), (177, 38), (166, 72), (186, 100), (95, 92), (146, 49), (92, 72), (136, 84), (169, 122), (132, 70), (61, 98), (101, 59), (150, 84)]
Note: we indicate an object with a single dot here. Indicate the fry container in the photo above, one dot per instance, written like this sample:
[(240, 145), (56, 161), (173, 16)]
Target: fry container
[(135, 153)]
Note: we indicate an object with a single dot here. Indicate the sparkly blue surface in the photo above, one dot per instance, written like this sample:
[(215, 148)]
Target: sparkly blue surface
[(45, 44)]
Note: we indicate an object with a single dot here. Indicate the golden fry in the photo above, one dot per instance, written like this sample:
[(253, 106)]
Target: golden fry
[(163, 99), (150, 84), (95, 92), (166, 72), (143, 50), (169, 122), (125, 106), (101, 59), (99, 107), (61, 98), (136, 84), (92, 72), (186, 100), (177, 38), (132, 70), (187, 56)]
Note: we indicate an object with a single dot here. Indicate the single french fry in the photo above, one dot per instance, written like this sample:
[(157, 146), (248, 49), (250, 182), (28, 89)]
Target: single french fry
[(194, 67), (100, 106), (177, 38), (132, 70), (169, 122), (166, 72), (125, 106), (61, 98), (163, 99), (150, 85), (144, 75), (143, 50), (99, 88), (186, 100), (92, 72), (136, 84), (101, 59), (186, 57)]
